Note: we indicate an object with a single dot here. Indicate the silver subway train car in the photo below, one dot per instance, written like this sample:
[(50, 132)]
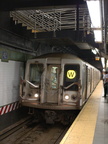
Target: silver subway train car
[(57, 82)]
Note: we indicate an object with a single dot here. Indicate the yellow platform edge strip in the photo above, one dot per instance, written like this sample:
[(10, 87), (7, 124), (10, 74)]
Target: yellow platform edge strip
[(83, 128)]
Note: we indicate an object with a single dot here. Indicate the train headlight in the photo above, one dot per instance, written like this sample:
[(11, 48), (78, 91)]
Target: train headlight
[(36, 95), (66, 97)]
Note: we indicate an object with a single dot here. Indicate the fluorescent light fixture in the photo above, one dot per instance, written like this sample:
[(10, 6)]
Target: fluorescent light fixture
[(103, 61), (94, 11), (107, 63), (95, 51), (98, 35), (95, 15)]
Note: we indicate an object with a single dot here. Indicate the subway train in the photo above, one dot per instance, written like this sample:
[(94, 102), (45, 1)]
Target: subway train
[(56, 84)]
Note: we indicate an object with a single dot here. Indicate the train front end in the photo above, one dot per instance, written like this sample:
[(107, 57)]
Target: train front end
[(51, 84)]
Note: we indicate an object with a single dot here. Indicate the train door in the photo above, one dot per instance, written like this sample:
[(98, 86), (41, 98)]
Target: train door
[(52, 83), (71, 83), (88, 82), (91, 88), (93, 79), (86, 78), (84, 81)]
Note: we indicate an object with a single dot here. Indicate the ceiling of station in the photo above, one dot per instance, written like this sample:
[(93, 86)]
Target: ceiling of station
[(10, 5), (63, 23), (68, 19), (46, 20)]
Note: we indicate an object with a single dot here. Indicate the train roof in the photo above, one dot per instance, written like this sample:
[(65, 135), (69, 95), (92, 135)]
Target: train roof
[(59, 55), (62, 56)]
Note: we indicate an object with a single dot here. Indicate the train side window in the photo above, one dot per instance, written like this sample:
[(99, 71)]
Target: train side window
[(35, 73)]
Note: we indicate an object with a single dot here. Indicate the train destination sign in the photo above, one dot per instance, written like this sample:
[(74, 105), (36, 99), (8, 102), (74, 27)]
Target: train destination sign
[(71, 74)]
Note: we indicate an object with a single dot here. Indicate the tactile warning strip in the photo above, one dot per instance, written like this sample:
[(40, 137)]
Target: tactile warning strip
[(83, 128)]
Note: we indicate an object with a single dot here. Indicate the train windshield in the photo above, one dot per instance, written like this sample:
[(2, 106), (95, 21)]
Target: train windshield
[(71, 75), (35, 73)]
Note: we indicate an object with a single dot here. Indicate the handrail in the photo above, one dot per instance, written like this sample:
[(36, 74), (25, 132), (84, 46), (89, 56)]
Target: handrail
[(75, 83), (36, 86)]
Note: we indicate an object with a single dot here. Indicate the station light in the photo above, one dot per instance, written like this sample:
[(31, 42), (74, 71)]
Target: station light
[(97, 58), (103, 62), (98, 35), (94, 8), (95, 51), (107, 63)]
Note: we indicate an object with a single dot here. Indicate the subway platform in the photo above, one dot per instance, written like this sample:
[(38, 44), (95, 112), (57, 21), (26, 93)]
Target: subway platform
[(91, 125)]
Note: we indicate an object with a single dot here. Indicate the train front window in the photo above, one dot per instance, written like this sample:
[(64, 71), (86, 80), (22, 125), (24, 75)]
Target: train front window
[(54, 77), (35, 73), (71, 75)]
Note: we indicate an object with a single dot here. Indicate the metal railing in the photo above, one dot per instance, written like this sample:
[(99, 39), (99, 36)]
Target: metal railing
[(53, 19)]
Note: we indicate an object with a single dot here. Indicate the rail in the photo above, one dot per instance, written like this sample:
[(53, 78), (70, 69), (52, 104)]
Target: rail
[(11, 129)]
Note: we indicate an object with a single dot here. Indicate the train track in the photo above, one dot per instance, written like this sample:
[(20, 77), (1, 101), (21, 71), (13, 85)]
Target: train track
[(31, 132), (36, 134), (13, 128)]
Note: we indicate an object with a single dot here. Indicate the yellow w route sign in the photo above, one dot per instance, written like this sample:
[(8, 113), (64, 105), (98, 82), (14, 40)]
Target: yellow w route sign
[(71, 74)]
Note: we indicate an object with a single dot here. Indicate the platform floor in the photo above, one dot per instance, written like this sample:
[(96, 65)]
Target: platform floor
[(91, 125)]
